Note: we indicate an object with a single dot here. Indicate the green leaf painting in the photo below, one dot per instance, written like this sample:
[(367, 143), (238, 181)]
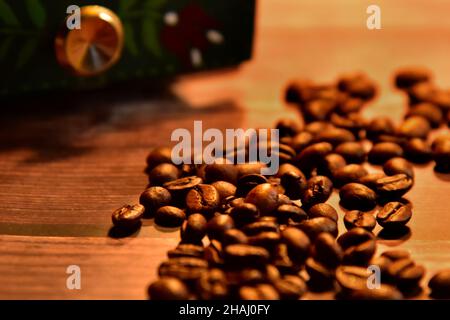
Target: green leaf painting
[(36, 12), (7, 16)]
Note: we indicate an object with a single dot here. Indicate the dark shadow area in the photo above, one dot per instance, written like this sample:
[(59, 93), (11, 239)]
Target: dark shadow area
[(398, 234), (444, 176), (118, 233)]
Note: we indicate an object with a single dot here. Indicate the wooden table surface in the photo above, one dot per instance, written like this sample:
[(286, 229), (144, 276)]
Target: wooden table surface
[(66, 162)]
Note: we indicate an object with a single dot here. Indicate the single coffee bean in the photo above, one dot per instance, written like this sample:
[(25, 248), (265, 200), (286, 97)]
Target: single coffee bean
[(158, 156), (394, 187), (349, 104), (370, 179), (258, 292), (212, 285), (396, 254), (214, 253), (327, 251), (318, 126), (382, 292), (163, 173), (335, 136), (383, 151), (405, 273), (154, 198), (294, 184), (234, 236), (441, 155), (288, 127), (356, 196), (357, 85), (246, 183), (414, 127), (242, 255), (407, 77), (323, 210), (187, 250), (379, 126), (421, 92), (398, 165), (297, 243), (309, 157), (318, 109), (300, 91), (321, 278), (359, 246), (266, 240), (352, 278), (288, 213), (417, 150), (394, 215), (353, 152), (430, 112), (349, 173), (169, 216), (203, 199), (221, 172), (318, 190), (330, 164), (193, 229), (290, 287), (441, 139), (128, 217), (186, 269), (244, 213), (359, 219), (301, 141), (441, 98), (315, 226), (217, 226), (440, 284), (264, 197), (254, 228), (225, 189), (287, 167), (168, 288)]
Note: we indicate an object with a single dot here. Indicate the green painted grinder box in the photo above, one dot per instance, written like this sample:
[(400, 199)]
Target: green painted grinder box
[(161, 39)]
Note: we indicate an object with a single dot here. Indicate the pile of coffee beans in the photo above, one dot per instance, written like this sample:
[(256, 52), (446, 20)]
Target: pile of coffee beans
[(248, 236)]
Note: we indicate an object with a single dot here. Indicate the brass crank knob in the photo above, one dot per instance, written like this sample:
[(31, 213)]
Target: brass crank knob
[(93, 48)]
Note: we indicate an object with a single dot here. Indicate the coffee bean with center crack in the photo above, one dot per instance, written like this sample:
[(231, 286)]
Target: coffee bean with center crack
[(359, 219), (323, 210), (290, 287), (203, 199), (128, 217), (394, 215), (242, 255), (394, 187), (359, 246), (264, 197), (318, 190), (356, 196)]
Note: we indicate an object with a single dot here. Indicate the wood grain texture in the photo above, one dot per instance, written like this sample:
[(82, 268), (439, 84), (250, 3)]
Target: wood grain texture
[(67, 161)]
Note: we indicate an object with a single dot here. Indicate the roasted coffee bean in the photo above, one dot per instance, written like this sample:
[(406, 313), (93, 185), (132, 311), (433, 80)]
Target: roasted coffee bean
[(398, 165), (294, 184), (163, 173), (407, 77), (180, 187), (187, 250), (193, 229), (394, 215), (323, 210), (128, 217), (394, 187), (359, 219), (288, 213), (318, 109), (430, 112), (315, 226), (244, 213), (282, 261), (234, 236), (266, 240), (417, 150), (309, 157), (352, 278), (264, 197), (349, 105), (383, 151), (301, 141), (230, 202), (214, 253), (300, 91), (441, 154), (186, 269), (441, 98), (221, 172), (154, 198), (330, 164), (359, 246), (357, 196), (383, 292), (440, 284), (217, 226), (242, 255), (245, 276), (441, 139), (158, 156), (169, 216), (414, 127), (259, 292), (225, 189), (396, 254), (353, 152), (353, 122), (297, 243), (168, 288), (290, 287), (405, 273), (357, 85), (318, 126), (379, 126), (204, 199), (287, 127), (246, 183), (327, 251), (212, 285), (318, 190), (421, 92), (370, 179), (254, 228), (287, 167), (335, 136), (249, 168), (321, 278), (349, 173)]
